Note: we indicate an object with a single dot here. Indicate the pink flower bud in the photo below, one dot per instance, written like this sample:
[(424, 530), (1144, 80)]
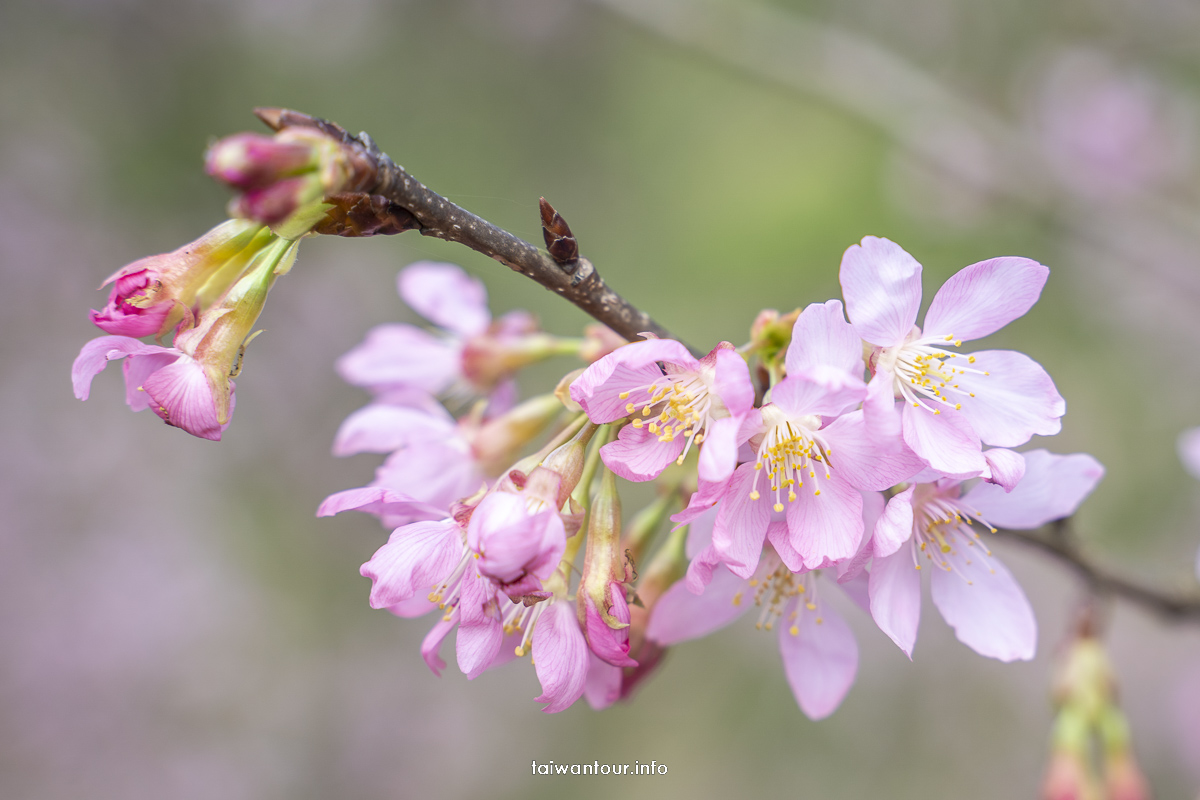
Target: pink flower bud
[(1123, 780), (1069, 778), (252, 161)]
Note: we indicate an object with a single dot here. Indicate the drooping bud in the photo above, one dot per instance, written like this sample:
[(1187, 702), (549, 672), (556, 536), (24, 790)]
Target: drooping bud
[(567, 460), (157, 293), (602, 607), (218, 340)]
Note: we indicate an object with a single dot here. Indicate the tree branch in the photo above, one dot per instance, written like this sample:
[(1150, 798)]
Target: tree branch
[(392, 201), (1059, 540)]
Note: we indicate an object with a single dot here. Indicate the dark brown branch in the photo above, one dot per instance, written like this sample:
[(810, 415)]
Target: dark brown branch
[(1059, 541), (393, 201)]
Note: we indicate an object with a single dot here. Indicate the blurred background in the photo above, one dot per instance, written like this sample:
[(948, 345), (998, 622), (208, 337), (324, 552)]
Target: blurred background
[(175, 623)]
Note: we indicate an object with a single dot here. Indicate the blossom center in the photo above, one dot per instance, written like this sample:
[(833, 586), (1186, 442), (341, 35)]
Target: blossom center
[(774, 592), (925, 374), (943, 527), (791, 448), (678, 405)]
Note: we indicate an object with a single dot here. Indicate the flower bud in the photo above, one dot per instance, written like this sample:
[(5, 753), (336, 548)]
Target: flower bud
[(157, 293), (1123, 780), (567, 460), (1069, 778), (499, 440), (602, 607), (771, 333), (599, 341)]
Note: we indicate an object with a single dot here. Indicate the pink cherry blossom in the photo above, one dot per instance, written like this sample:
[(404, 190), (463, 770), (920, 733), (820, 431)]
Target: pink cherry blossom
[(820, 654), (519, 538), (936, 524), (166, 380), (953, 402), (469, 355), (688, 402)]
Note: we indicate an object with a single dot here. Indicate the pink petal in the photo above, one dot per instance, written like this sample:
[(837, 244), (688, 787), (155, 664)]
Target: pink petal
[(882, 287), (181, 395), (1189, 451), (1006, 467), (828, 526), (512, 542), (680, 615), (412, 607), (560, 657), (865, 460), (381, 428), (610, 645), (879, 407), (822, 337), (627, 369), (603, 683), (780, 540), (718, 454), (1053, 488), (947, 441), (446, 296), (895, 527), (416, 558), (741, 523), (820, 659), (1017, 400), (850, 570), (402, 355), (433, 643), (479, 631), (982, 601), (96, 354), (375, 500), (435, 473), (137, 369), (982, 298), (732, 381), (638, 455), (823, 390), (895, 592)]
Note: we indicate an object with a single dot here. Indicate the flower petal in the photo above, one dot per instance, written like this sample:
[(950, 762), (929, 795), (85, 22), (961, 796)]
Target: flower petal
[(376, 500), (895, 527), (982, 601), (822, 389), (865, 460), (560, 657), (433, 643), (820, 658), (1052, 488), (895, 592), (446, 296), (627, 369), (639, 455), (1006, 467), (882, 287), (732, 381), (416, 558), (96, 354), (379, 428), (479, 631), (947, 441), (822, 337), (828, 526), (611, 645), (1189, 451), (741, 524), (181, 395), (680, 615), (137, 368), (1012, 403), (402, 355), (718, 454), (981, 299), (603, 683)]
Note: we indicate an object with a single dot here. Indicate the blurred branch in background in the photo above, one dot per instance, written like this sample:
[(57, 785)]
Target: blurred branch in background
[(1059, 540), (965, 141), (393, 201)]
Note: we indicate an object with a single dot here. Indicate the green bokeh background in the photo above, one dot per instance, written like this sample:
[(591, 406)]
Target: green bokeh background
[(177, 624)]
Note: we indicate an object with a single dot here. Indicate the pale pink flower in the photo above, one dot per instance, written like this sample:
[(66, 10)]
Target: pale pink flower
[(937, 525), (687, 402), (469, 355), (952, 402), (166, 380), (819, 651)]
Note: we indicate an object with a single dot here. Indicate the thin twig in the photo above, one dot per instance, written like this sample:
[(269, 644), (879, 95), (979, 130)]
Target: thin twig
[(1060, 541), (393, 201)]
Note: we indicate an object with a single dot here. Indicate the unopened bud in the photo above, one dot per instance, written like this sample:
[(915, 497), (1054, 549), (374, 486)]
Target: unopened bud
[(567, 460), (1069, 778), (771, 333), (563, 390), (1123, 780), (252, 161), (599, 341), (500, 440)]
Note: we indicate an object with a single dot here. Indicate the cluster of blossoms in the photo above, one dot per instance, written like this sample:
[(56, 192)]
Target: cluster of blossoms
[(865, 452)]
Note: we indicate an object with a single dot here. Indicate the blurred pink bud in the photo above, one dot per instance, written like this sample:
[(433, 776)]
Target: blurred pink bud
[(1069, 778), (251, 160), (1123, 780), (599, 341)]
